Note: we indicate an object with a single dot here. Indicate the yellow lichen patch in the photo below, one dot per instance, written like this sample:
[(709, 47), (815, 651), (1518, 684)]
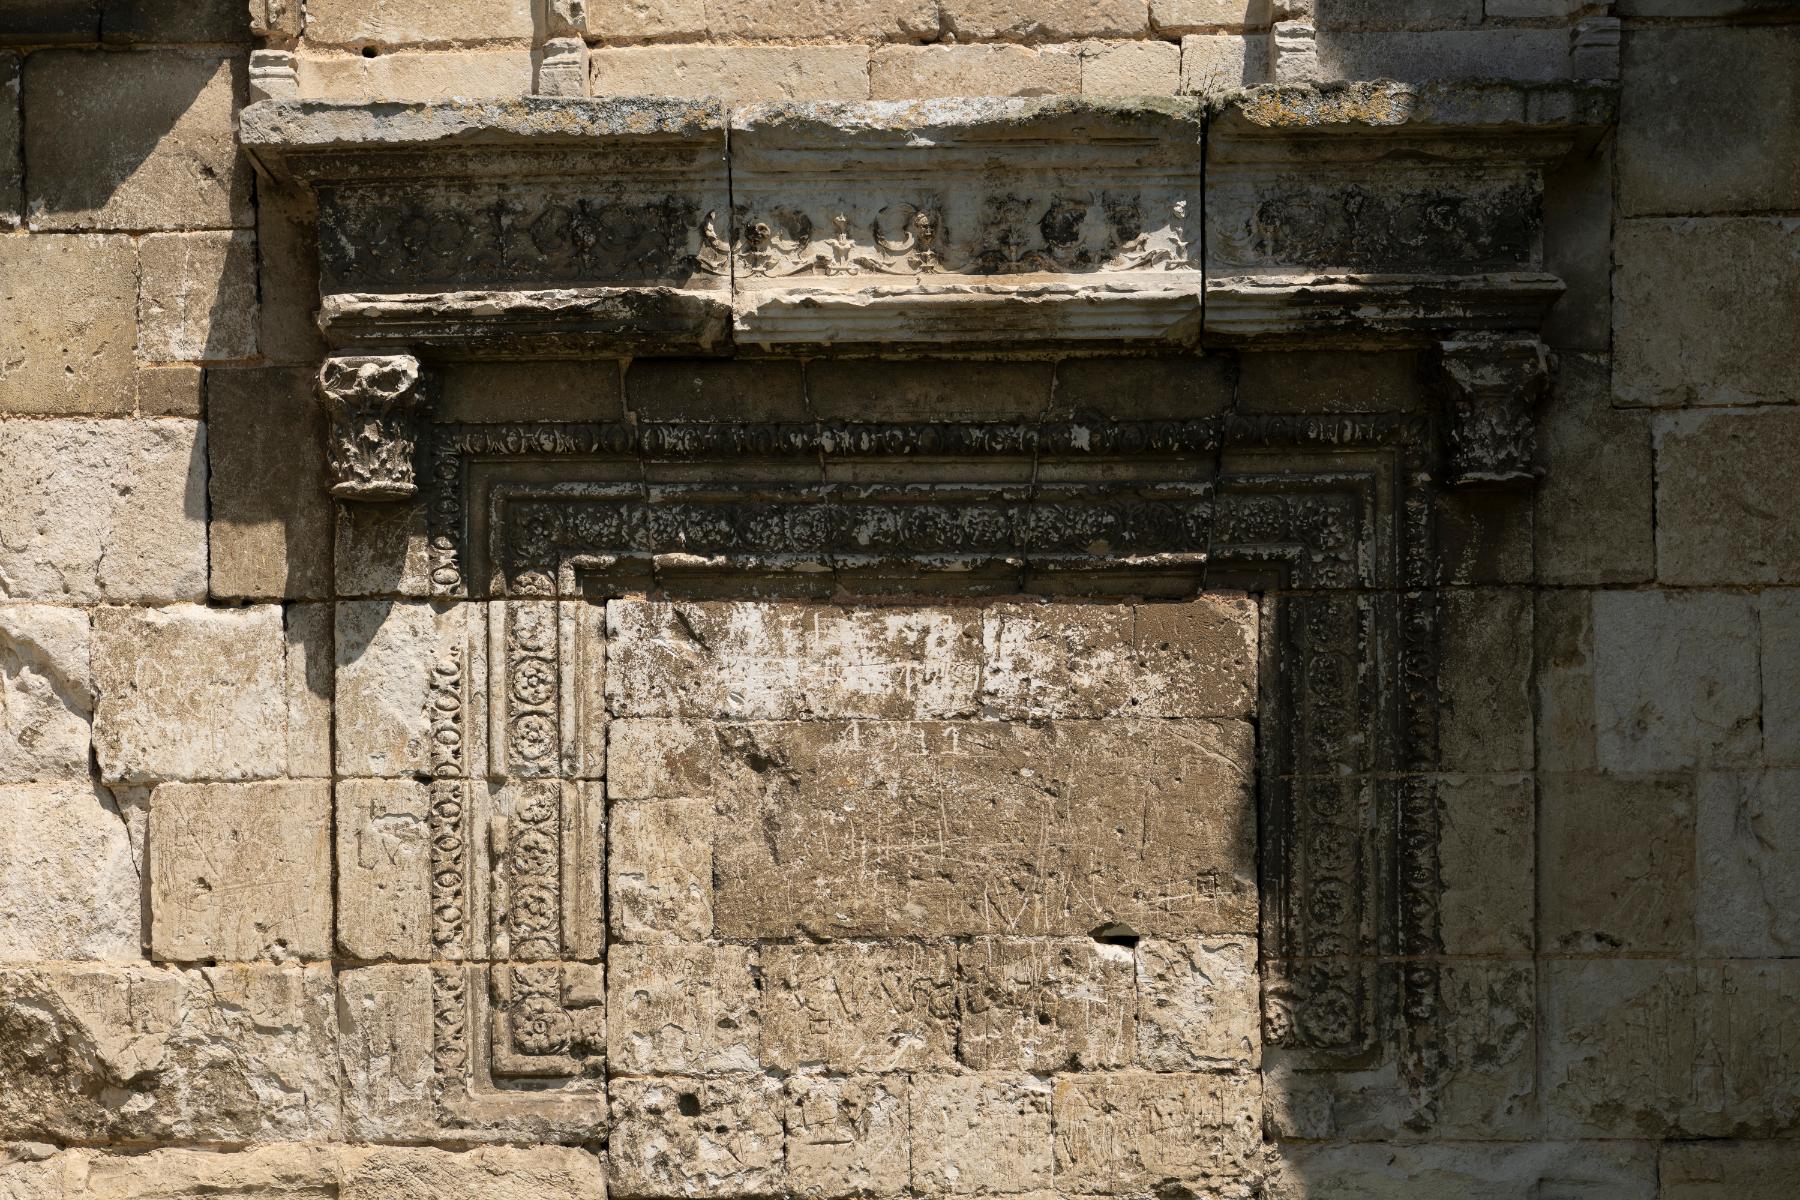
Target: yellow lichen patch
[(1377, 103)]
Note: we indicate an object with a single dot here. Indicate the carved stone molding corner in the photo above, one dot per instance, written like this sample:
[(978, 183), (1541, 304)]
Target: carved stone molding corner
[(1493, 386), (376, 402)]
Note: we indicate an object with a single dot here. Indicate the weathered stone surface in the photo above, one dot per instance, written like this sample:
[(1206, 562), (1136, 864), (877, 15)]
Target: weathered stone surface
[(383, 869), (271, 520), (141, 1053), (1117, 1132), (1716, 339), (660, 859), (46, 696), (785, 662), (1487, 851), (426, 75), (135, 21), (192, 693), (914, 72), (388, 653), (67, 347), (1721, 498), (1728, 1170), (1192, 659), (1213, 64), (683, 1009), (1051, 829), (68, 875), (725, 390), (1486, 689), (1707, 119), (197, 296), (1314, 381), (696, 1137), (980, 1134), (1595, 519), (1748, 853), (929, 391), (1054, 21), (1563, 629), (1675, 680), (1170, 387), (1779, 624), (1486, 1025), (838, 20), (1198, 16), (1646, 1048), (1535, 55), (140, 489), (646, 20), (848, 1007), (170, 390), (849, 1136), (1604, 892), (1130, 69), (384, 23), (12, 171), (288, 1169), (734, 73), (1477, 1171), (139, 141), (1043, 1005), (535, 391), (240, 871), (492, 1172), (384, 1045), (1199, 1004)]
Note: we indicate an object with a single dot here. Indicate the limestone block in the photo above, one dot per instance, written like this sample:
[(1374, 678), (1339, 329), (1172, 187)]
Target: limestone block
[(1175, 17), (1707, 118), (1335, 381), (1191, 659), (388, 655), (682, 1009), (288, 1170), (170, 390), (240, 871), (1594, 503), (1470, 1170), (384, 1047), (187, 692), (734, 73), (1052, 829), (1044, 1005), (12, 171), (747, 661), (1618, 864), (1640, 1048), (148, 1054), (1486, 723), (1398, 14), (140, 141), (1728, 1170), (850, 1136), (660, 859), (837, 20), (383, 869), (980, 1134), (1748, 843), (1052, 21), (135, 21), (531, 391), (68, 341), (491, 1172), (1172, 387), (46, 696), (381, 550), (1130, 69), (616, 21), (1215, 63), (309, 715), (415, 75), (1563, 630), (197, 296), (1200, 1004), (661, 759), (839, 389), (679, 1137), (1722, 507), (1487, 852), (287, 251), (850, 1007), (68, 875), (1136, 1130), (722, 390), (1716, 339), (404, 23), (1525, 55), (1675, 680), (140, 489), (1779, 624), (922, 72), (271, 527), (1486, 1029)]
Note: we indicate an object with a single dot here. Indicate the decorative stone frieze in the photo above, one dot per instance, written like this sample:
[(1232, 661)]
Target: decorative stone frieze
[(375, 403)]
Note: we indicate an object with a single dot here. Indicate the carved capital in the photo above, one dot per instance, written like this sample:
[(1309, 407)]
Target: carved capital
[(1493, 386), (375, 402)]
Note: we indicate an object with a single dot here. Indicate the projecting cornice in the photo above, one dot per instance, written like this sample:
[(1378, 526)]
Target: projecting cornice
[(638, 225)]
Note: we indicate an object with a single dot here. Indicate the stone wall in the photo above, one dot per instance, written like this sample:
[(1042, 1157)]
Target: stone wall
[(217, 742)]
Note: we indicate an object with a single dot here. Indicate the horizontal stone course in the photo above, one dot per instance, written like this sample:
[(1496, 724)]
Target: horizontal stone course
[(68, 345), (733, 73)]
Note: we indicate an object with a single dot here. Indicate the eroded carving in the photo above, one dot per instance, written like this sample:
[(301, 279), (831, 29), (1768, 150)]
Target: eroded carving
[(375, 402), (1494, 386)]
